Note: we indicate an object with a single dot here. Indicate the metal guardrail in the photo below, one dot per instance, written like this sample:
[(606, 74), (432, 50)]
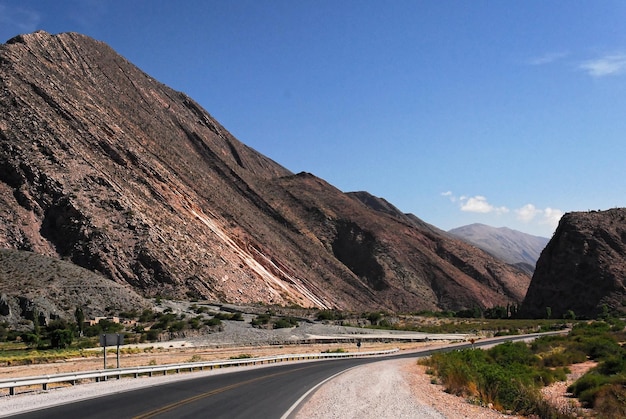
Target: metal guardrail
[(102, 375)]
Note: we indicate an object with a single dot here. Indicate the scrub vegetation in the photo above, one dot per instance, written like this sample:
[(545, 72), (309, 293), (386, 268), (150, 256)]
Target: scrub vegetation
[(509, 376), (46, 341)]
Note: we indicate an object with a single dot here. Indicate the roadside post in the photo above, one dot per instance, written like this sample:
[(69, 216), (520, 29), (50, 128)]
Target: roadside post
[(111, 339)]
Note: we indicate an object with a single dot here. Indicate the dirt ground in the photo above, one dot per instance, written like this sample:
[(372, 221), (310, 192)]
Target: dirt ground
[(173, 355)]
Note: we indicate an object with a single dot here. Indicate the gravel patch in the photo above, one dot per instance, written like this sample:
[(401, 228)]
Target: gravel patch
[(388, 390), (242, 334)]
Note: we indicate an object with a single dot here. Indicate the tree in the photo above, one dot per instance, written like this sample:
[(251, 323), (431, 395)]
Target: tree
[(80, 320), (604, 314), (36, 328), (59, 333), (61, 338), (570, 315)]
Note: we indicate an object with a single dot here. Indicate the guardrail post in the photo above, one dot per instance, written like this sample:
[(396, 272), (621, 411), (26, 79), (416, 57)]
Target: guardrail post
[(11, 391)]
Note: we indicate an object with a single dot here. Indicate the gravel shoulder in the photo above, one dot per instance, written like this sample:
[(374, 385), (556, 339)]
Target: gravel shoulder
[(387, 390)]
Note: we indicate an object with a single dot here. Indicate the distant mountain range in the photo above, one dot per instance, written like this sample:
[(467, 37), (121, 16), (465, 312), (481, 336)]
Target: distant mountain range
[(512, 246)]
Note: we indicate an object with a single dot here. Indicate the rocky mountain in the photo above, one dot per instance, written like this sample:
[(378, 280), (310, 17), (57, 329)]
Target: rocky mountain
[(52, 287), (583, 267), (105, 167), (512, 246)]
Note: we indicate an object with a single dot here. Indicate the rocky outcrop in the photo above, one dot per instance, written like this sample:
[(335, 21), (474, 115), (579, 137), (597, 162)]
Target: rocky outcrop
[(102, 166), (583, 267)]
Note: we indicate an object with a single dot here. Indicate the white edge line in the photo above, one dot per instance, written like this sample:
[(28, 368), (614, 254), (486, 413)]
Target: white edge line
[(296, 405)]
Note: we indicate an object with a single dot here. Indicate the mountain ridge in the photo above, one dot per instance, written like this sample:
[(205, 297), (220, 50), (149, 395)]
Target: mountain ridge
[(512, 246), (105, 167)]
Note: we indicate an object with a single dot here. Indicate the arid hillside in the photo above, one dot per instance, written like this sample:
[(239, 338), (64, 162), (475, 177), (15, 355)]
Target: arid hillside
[(517, 248), (107, 168), (583, 267)]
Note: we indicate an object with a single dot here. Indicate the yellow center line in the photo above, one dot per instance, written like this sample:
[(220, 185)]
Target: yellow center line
[(183, 402)]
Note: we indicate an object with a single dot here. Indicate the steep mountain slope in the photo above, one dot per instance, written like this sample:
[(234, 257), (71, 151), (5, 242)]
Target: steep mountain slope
[(32, 283), (582, 268), (511, 246), (105, 167)]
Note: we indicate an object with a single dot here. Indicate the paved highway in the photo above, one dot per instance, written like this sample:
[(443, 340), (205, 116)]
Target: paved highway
[(267, 392)]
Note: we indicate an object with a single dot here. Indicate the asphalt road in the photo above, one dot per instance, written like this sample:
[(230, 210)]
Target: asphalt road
[(267, 392)]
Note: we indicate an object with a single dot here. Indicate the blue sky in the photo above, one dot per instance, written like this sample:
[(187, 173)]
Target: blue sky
[(507, 113)]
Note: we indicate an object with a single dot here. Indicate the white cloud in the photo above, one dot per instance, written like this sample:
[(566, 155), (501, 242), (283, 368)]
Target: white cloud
[(527, 213), (479, 204), (548, 58), (552, 216), (536, 219), (548, 216), (609, 65), (449, 195)]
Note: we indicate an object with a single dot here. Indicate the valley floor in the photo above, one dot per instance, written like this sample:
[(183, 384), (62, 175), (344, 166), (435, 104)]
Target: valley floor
[(387, 389)]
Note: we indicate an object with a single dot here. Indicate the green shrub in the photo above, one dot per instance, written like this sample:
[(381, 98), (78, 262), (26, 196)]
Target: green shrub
[(229, 316), (177, 326), (164, 320), (613, 364), (147, 316), (30, 339), (285, 322), (590, 381), (564, 357), (261, 319), (375, 317), (213, 322), (153, 334), (334, 351), (195, 323), (241, 356), (508, 376), (237, 316), (510, 353), (329, 315), (132, 314)]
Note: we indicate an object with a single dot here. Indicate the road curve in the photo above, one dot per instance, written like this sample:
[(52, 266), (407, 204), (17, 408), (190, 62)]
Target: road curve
[(256, 393)]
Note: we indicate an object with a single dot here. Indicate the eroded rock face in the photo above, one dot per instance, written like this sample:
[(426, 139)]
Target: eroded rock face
[(105, 167), (583, 267)]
